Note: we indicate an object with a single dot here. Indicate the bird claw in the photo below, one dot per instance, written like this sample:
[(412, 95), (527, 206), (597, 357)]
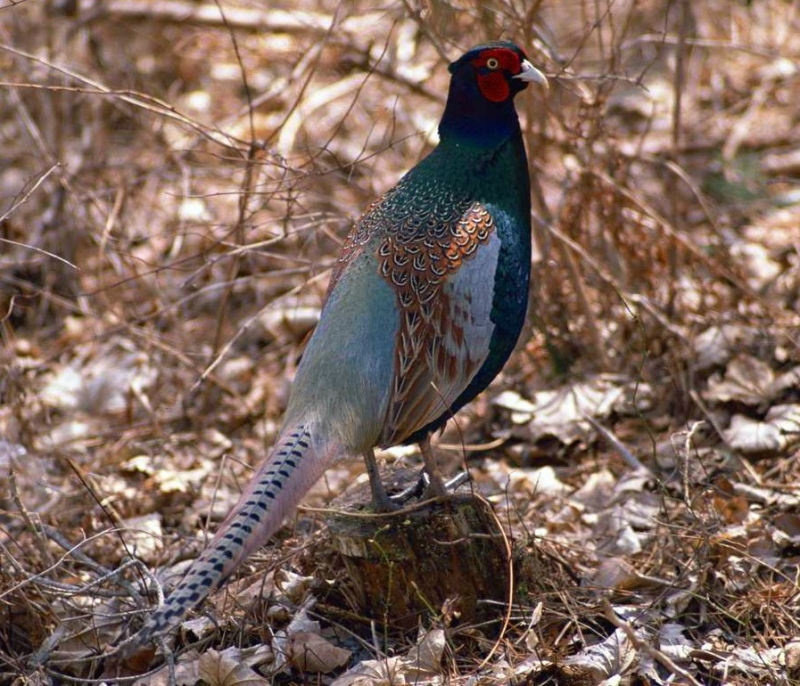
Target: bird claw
[(458, 480), (426, 488), (386, 503)]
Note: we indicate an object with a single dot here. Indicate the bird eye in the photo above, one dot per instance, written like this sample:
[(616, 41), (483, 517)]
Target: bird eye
[(492, 63)]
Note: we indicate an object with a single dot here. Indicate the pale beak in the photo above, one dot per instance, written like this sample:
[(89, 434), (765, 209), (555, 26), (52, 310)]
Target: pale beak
[(532, 74)]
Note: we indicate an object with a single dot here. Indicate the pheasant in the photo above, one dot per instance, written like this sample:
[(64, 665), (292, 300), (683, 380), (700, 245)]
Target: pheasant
[(425, 305)]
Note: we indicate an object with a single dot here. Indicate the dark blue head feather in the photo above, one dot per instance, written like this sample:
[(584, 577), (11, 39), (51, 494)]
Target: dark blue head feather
[(470, 117)]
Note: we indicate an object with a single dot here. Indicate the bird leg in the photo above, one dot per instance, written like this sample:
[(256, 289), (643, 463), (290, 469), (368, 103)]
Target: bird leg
[(436, 486), (429, 485), (380, 499)]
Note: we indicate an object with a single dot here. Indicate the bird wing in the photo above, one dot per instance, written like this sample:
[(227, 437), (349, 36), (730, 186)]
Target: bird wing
[(444, 279)]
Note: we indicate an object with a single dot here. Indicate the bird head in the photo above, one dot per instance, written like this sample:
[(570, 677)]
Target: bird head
[(483, 83), (500, 70)]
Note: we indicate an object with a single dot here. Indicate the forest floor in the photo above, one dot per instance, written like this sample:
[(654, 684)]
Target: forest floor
[(176, 179)]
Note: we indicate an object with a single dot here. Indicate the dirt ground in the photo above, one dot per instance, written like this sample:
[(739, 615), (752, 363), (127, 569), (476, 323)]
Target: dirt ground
[(176, 178)]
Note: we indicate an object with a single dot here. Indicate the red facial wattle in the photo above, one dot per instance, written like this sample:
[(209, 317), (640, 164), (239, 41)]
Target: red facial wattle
[(491, 66), (494, 86)]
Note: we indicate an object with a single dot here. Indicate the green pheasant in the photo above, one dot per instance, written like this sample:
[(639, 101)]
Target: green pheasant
[(424, 307)]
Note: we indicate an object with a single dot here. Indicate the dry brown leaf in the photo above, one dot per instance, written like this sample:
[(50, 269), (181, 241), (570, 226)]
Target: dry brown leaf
[(310, 652), (616, 573), (387, 672), (732, 508), (779, 432), (747, 380), (228, 669), (144, 536), (187, 673), (543, 481), (420, 665), (426, 656), (717, 344), (562, 413), (614, 657)]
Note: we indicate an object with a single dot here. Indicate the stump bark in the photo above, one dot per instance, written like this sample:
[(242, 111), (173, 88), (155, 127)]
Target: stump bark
[(437, 558)]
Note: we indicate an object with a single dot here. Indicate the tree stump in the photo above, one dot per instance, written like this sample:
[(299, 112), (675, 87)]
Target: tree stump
[(437, 558)]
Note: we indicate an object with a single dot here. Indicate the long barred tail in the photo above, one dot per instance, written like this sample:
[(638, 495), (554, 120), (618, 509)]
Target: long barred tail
[(295, 463)]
